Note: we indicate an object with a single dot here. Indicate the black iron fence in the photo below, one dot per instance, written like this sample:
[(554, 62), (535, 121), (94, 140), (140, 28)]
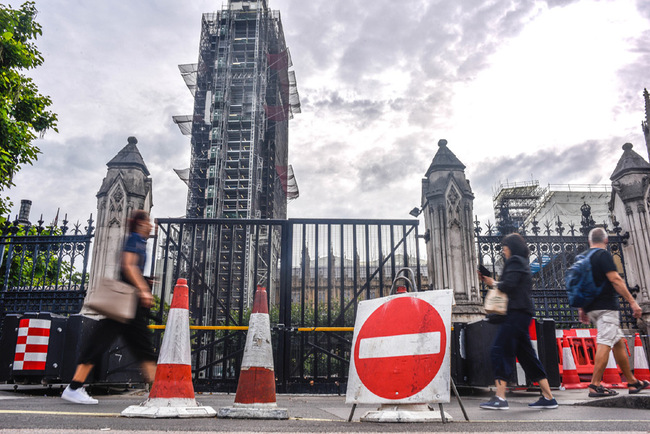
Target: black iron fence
[(553, 249), (315, 272), (43, 268)]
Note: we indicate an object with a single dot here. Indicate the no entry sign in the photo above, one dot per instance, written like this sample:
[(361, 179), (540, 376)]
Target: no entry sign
[(400, 349)]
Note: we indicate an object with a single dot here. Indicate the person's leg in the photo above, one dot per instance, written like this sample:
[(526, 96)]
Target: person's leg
[(502, 356), (527, 357), (149, 370), (600, 363), (620, 355), (138, 337), (93, 346), (81, 373)]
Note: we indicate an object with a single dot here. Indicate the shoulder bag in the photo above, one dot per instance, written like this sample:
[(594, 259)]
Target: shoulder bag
[(114, 299), (496, 302)]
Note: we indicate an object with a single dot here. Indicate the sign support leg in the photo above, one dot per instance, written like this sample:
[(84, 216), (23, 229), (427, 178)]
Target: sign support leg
[(442, 413), (460, 402), (354, 407)]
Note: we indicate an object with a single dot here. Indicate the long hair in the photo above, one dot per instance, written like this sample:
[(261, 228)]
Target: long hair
[(516, 244), (136, 217)]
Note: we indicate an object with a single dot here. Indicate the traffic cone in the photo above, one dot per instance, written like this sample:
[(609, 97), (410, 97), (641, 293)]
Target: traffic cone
[(611, 377), (641, 369), (172, 393), (255, 397), (570, 378)]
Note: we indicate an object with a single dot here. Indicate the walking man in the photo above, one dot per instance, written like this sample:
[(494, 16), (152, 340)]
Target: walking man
[(603, 312)]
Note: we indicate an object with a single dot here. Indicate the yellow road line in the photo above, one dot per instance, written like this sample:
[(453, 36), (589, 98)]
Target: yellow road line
[(63, 413)]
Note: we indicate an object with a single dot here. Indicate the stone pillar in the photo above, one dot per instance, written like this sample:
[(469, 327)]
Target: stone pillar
[(630, 205), (126, 187), (645, 125), (447, 204)]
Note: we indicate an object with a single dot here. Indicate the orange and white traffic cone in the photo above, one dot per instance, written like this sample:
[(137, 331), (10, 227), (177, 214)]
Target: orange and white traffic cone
[(641, 369), (570, 378), (172, 393), (611, 377), (255, 398)]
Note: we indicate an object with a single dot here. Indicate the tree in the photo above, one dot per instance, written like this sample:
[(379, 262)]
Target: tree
[(23, 111)]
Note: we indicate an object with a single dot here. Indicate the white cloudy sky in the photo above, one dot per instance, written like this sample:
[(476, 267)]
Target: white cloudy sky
[(546, 90)]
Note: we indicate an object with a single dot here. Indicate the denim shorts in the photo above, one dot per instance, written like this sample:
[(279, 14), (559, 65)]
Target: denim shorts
[(608, 324)]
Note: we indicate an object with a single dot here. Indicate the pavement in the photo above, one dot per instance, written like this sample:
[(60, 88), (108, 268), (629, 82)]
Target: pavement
[(40, 410)]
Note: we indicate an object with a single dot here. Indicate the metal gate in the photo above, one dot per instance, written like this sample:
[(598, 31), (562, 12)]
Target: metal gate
[(553, 249), (315, 272), (43, 268)]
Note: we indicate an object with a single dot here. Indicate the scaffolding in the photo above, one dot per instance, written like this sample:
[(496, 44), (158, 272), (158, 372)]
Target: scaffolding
[(244, 96), (513, 203)]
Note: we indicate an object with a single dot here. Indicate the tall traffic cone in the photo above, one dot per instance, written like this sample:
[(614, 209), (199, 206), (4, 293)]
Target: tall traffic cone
[(172, 393), (570, 378), (255, 398), (641, 369), (611, 377)]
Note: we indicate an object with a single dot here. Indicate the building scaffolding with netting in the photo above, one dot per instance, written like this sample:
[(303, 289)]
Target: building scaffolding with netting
[(513, 203), (244, 95)]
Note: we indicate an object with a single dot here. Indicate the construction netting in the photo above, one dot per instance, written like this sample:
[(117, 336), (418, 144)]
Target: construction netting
[(188, 72)]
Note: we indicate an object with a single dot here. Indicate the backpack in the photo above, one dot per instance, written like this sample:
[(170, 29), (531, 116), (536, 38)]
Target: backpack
[(579, 279)]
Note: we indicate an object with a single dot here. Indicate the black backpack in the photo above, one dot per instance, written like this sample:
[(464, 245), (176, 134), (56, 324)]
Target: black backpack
[(579, 279)]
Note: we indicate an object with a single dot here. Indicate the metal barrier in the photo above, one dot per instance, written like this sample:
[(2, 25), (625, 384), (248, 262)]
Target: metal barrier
[(552, 251), (315, 272)]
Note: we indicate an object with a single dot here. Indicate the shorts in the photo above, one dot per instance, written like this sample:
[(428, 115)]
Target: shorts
[(608, 324), (136, 335)]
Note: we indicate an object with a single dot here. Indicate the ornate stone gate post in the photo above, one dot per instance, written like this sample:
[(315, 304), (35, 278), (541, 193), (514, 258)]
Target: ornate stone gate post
[(126, 187), (630, 204), (447, 204)]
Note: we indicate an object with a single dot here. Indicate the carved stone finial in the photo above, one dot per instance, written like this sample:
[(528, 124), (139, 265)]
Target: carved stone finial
[(442, 142), (132, 140), (627, 147)]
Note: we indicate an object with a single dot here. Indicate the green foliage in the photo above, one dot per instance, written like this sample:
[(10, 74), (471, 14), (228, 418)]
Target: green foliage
[(23, 111)]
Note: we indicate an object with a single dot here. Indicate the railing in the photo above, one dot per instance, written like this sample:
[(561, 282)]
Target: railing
[(553, 249), (315, 272), (43, 268)]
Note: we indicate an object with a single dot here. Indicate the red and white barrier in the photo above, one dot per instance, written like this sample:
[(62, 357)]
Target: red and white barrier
[(570, 378), (32, 344), (255, 398), (172, 393)]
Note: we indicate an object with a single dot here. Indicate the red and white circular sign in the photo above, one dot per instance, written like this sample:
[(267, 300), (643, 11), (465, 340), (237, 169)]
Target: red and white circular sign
[(400, 348)]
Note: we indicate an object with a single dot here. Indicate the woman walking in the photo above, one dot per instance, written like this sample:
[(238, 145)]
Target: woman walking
[(512, 339), (135, 333)]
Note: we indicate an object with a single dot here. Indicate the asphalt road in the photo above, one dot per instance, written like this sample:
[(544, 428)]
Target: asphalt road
[(39, 410)]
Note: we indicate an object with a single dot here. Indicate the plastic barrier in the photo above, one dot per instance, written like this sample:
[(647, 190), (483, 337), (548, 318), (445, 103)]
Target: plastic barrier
[(582, 343)]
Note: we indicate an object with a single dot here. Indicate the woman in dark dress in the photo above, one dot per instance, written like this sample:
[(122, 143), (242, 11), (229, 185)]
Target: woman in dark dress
[(135, 333), (512, 339)]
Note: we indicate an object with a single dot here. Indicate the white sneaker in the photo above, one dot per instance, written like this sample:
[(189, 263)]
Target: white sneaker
[(78, 396)]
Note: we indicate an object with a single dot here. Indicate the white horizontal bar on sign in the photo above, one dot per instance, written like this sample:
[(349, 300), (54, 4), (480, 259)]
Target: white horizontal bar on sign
[(39, 324), (37, 340), (35, 357), (416, 344)]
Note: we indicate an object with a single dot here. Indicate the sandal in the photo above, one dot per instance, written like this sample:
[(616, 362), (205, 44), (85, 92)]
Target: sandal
[(600, 391), (638, 386)]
